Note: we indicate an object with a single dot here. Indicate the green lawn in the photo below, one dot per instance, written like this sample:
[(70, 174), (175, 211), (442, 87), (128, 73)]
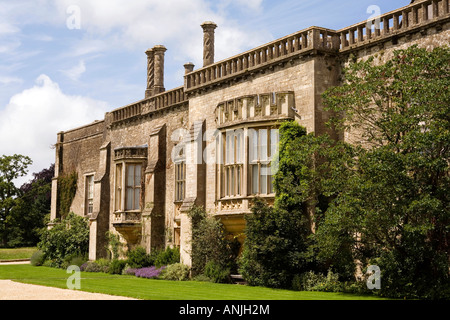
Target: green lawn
[(17, 253), (140, 288)]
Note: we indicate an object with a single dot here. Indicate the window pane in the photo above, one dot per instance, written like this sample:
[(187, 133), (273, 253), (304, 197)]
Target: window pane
[(90, 187), (118, 187), (90, 206), (263, 178), (232, 181), (137, 198), (274, 139), (229, 148), (227, 181), (253, 145), (263, 144), (130, 197), (255, 176), (182, 190), (271, 184), (137, 178), (130, 175), (239, 146), (238, 177)]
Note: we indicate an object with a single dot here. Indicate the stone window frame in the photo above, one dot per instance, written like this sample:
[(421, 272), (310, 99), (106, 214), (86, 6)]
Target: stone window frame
[(89, 193), (179, 161), (246, 182), (262, 162), (124, 157), (233, 165), (120, 188), (180, 180), (136, 186)]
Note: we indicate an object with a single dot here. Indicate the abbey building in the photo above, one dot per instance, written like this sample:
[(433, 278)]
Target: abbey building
[(212, 142)]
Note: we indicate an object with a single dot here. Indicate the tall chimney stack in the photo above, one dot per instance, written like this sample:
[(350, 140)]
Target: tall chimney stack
[(208, 42), (155, 70), (150, 73), (159, 68)]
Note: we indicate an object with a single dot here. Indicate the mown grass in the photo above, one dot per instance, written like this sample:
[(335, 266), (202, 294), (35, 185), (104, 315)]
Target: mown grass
[(131, 286), (17, 253)]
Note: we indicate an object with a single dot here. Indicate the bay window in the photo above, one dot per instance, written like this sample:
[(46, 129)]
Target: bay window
[(128, 182)]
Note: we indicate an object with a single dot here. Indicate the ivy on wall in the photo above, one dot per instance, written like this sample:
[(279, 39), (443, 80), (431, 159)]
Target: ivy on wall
[(67, 187)]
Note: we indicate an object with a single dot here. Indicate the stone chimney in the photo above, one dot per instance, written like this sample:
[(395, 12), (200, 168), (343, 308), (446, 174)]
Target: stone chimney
[(150, 73), (155, 70), (208, 42), (188, 67)]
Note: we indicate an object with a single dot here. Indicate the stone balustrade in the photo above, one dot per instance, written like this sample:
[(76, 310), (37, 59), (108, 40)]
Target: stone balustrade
[(152, 104), (393, 23), (269, 54), (414, 16)]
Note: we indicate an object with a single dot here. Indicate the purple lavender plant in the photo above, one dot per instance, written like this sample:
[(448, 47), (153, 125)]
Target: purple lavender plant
[(130, 271), (149, 272)]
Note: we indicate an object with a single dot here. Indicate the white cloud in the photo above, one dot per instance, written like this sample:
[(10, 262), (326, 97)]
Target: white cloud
[(7, 28), (75, 72), (109, 25), (10, 80), (29, 123)]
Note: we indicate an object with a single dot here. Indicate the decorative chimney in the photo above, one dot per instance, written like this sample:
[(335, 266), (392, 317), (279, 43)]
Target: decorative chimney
[(150, 73), (159, 68), (208, 42), (155, 70), (188, 67)]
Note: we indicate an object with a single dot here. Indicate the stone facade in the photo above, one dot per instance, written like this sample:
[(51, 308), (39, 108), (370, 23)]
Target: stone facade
[(210, 142)]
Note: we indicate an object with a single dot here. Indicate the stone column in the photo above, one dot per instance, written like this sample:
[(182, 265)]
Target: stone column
[(188, 68), (150, 73), (158, 52), (153, 214), (58, 169), (99, 219), (208, 42)]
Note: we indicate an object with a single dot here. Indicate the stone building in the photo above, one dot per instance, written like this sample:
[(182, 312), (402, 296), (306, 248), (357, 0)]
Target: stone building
[(211, 141)]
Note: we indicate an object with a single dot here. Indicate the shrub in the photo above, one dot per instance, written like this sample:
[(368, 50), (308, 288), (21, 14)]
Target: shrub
[(138, 258), (217, 273), (310, 281), (177, 272), (149, 273), (202, 278), (210, 242), (103, 264), (68, 238), (117, 266), (37, 259), (127, 270), (91, 266), (73, 260), (167, 257)]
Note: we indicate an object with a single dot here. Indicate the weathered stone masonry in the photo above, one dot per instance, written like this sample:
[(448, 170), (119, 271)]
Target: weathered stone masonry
[(136, 174)]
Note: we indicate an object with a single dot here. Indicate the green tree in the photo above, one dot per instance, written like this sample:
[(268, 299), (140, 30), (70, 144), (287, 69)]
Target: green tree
[(32, 206), (393, 209), (210, 243), (280, 241), (11, 168), (68, 238)]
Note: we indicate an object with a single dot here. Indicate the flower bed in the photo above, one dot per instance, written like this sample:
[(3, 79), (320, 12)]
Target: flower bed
[(149, 272)]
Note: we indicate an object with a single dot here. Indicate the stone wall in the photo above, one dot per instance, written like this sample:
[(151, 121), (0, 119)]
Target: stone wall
[(303, 64)]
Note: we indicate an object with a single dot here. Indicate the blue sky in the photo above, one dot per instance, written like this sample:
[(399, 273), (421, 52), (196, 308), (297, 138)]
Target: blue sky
[(64, 63)]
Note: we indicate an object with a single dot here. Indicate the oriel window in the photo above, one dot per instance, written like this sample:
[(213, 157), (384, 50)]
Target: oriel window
[(133, 187), (263, 144)]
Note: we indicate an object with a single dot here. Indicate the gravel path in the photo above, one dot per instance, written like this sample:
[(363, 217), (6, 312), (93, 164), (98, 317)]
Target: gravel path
[(10, 290)]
